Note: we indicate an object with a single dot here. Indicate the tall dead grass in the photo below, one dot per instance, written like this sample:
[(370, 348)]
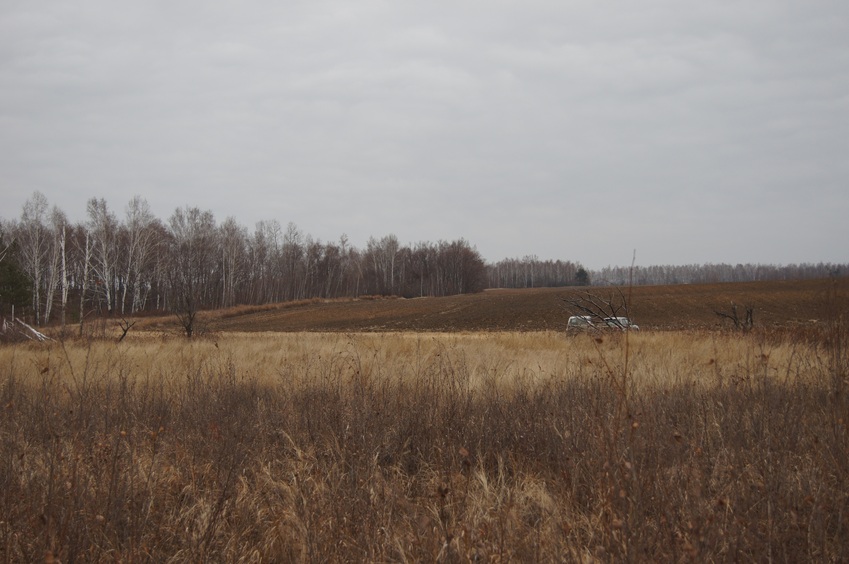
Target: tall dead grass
[(422, 447)]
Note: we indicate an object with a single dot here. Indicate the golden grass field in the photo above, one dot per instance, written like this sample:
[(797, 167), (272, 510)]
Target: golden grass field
[(519, 446)]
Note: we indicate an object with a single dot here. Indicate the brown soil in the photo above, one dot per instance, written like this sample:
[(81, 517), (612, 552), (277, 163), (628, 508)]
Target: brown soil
[(776, 304)]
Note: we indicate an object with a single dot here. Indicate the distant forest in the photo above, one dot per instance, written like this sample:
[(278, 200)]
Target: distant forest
[(52, 270)]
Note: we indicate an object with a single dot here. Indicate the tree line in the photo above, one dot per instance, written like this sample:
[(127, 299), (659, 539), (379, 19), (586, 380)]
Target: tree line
[(713, 273), (531, 272), (52, 270), (55, 270)]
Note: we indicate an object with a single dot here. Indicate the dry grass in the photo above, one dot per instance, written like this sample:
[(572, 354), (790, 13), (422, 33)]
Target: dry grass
[(419, 447)]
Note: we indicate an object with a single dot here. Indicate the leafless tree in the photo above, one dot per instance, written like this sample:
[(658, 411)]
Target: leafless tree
[(233, 243), (292, 256), (33, 236), (58, 265), (382, 258), (103, 228), (141, 241), (418, 266), (5, 243), (262, 257), (352, 268), (459, 268), (329, 271), (55, 273), (741, 324), (192, 264), (85, 255)]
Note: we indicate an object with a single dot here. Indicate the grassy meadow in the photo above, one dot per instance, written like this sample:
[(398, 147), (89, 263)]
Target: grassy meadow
[(406, 447)]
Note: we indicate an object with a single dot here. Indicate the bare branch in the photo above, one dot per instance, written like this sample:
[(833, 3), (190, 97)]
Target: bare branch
[(125, 328), (743, 325), (599, 308)]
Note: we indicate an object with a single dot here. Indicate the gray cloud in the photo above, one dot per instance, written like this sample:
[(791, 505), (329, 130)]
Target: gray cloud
[(693, 132)]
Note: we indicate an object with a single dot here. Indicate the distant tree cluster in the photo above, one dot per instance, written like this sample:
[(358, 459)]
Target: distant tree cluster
[(53, 270), (713, 273), (530, 272)]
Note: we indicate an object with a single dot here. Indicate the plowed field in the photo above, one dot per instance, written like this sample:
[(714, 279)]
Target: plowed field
[(776, 304)]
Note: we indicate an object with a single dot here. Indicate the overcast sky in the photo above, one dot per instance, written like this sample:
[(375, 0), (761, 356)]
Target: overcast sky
[(691, 132)]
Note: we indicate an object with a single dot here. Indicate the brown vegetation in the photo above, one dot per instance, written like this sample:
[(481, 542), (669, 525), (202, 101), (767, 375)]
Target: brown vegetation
[(536, 446), (776, 305)]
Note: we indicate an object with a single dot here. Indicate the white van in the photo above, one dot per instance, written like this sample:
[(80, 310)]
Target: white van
[(580, 322), (621, 323)]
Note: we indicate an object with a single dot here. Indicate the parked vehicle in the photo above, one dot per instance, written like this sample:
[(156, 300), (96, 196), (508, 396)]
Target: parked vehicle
[(622, 323), (580, 322), (586, 322)]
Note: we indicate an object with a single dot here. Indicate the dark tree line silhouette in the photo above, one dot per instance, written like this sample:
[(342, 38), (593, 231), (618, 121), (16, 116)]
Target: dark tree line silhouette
[(55, 270), (115, 265)]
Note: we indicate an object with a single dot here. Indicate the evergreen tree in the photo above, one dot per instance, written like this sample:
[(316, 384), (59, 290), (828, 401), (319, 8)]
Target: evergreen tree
[(15, 287)]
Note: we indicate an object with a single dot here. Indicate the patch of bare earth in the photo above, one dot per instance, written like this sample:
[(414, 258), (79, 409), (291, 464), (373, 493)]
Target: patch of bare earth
[(776, 304)]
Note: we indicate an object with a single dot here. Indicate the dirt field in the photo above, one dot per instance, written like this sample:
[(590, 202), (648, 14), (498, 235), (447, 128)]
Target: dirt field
[(776, 304)]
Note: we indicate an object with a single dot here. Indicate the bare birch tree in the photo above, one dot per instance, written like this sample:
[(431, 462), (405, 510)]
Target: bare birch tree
[(382, 256), (56, 272), (103, 227), (64, 277), (264, 262), (5, 244), (85, 254), (233, 243), (33, 239), (141, 243)]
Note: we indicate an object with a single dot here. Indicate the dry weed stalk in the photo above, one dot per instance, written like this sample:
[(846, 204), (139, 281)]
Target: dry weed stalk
[(505, 447)]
